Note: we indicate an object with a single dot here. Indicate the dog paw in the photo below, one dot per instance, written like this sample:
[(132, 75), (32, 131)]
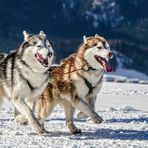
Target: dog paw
[(76, 131), (21, 120), (43, 131), (97, 119), (81, 115)]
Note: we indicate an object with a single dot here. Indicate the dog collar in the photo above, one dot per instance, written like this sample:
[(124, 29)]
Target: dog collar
[(86, 68)]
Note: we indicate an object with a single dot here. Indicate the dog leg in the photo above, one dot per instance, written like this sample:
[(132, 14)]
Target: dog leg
[(91, 102), (86, 109), (69, 112), (81, 115), (19, 117), (1, 94), (23, 108), (45, 107)]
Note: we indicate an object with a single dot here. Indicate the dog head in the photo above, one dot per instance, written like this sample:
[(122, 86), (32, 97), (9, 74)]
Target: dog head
[(97, 52), (36, 51)]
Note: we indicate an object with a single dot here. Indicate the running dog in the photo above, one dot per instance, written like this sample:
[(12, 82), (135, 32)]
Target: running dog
[(76, 82), (24, 75)]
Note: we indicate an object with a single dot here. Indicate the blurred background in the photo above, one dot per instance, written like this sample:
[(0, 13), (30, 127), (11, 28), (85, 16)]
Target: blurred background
[(124, 23)]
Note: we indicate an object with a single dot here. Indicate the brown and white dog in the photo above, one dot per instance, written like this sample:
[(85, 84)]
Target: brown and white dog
[(76, 82)]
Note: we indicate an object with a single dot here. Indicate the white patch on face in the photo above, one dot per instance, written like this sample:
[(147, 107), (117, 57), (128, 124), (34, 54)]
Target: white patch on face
[(44, 50), (107, 46), (103, 51), (98, 50), (48, 44), (89, 57)]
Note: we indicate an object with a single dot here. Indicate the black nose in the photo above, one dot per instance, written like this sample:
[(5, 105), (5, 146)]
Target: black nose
[(50, 54), (110, 54)]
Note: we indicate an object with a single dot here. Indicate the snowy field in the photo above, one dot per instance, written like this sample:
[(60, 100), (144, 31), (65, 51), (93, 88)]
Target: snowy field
[(123, 106)]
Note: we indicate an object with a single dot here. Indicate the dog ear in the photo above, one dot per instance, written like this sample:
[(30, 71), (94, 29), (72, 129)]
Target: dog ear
[(96, 35), (42, 34), (84, 39), (102, 38), (26, 35)]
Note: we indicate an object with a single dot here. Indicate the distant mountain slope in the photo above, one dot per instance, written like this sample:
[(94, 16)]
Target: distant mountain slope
[(66, 21)]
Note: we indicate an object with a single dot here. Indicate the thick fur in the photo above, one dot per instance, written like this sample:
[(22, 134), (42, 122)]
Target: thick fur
[(75, 83), (2, 56), (23, 76)]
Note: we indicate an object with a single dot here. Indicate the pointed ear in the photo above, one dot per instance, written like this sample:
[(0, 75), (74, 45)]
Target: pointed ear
[(100, 37), (84, 39), (26, 35), (96, 35), (42, 33)]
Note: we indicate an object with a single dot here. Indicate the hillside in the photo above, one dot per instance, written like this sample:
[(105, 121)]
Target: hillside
[(124, 23)]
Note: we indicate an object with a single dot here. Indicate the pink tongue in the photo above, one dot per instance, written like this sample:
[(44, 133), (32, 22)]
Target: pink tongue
[(41, 59), (106, 66)]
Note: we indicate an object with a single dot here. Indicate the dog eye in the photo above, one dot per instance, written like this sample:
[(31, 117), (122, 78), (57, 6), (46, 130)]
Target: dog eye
[(99, 47), (95, 44), (34, 43), (26, 44), (39, 46)]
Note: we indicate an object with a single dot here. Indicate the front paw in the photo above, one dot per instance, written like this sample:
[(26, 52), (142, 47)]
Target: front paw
[(73, 128), (76, 131), (43, 131), (97, 119), (21, 120)]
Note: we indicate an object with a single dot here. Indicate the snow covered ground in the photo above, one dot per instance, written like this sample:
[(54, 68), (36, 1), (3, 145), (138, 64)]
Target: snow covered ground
[(123, 106)]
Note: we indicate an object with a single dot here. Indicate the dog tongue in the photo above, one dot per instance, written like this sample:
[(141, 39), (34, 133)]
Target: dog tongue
[(106, 66), (42, 59)]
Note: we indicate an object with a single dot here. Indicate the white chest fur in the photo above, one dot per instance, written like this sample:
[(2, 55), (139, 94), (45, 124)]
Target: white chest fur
[(30, 79), (93, 77), (82, 89)]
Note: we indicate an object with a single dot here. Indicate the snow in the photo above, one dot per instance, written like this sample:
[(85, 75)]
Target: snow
[(123, 106), (124, 77), (131, 73), (122, 71)]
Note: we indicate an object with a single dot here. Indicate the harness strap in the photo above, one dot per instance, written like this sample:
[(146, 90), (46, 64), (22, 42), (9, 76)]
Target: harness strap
[(89, 85), (90, 68)]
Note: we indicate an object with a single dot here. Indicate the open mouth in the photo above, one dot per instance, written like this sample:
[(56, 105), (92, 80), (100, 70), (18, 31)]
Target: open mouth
[(104, 63), (41, 59)]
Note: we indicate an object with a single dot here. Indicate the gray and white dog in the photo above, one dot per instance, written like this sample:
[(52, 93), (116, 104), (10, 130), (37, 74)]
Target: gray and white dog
[(2, 56), (24, 75)]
